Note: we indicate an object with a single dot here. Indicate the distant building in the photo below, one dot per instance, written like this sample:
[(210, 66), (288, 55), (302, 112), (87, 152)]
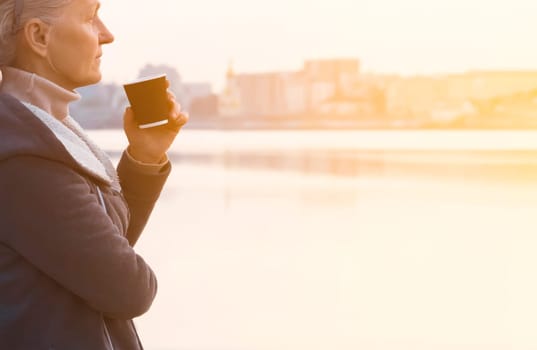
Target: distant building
[(329, 77), (518, 110), (362, 102), (287, 93), (426, 97), (101, 106), (262, 95), (295, 93), (229, 101), (344, 106), (205, 106), (195, 91)]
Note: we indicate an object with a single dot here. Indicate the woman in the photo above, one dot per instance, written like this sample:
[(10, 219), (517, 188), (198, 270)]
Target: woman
[(69, 276)]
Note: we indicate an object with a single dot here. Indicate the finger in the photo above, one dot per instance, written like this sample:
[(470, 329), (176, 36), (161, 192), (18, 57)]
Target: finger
[(128, 116), (171, 95), (177, 122), (182, 118), (173, 105), (175, 110)]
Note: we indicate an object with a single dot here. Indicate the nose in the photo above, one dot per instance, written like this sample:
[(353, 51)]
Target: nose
[(105, 36)]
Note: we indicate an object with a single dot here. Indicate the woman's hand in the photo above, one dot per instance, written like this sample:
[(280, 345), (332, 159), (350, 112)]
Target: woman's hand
[(150, 145)]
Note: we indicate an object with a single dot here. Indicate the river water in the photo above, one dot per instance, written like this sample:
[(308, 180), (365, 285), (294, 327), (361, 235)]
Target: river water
[(344, 240)]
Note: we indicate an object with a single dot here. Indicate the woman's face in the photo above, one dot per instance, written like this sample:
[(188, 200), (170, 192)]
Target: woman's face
[(74, 49)]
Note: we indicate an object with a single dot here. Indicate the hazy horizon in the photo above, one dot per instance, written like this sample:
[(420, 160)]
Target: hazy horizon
[(199, 39)]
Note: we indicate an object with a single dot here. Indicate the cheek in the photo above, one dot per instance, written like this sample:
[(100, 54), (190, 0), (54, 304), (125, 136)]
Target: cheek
[(74, 59), (74, 46)]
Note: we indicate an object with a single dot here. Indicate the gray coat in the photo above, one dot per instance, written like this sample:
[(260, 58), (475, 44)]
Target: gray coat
[(69, 276)]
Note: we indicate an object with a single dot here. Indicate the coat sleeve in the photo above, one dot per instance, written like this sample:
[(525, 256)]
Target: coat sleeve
[(51, 218), (141, 188)]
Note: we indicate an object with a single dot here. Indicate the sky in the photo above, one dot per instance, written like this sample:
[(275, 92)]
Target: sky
[(200, 38)]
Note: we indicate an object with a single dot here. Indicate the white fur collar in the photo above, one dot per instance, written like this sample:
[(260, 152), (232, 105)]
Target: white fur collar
[(87, 154)]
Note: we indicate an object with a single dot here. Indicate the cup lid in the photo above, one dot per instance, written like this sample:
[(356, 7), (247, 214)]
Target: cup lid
[(145, 78)]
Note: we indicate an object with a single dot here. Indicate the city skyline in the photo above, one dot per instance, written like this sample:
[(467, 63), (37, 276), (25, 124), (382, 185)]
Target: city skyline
[(334, 94), (411, 37)]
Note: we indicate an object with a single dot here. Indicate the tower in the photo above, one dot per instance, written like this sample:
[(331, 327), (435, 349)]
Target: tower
[(229, 101)]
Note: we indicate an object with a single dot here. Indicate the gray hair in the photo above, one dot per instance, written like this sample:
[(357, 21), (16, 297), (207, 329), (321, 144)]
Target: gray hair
[(46, 10)]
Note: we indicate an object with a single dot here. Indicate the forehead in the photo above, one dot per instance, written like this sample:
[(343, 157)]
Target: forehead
[(78, 9)]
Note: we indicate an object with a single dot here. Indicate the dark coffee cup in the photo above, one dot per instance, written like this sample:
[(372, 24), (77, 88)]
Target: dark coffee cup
[(149, 100)]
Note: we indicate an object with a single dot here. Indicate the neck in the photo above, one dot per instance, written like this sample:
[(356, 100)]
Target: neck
[(40, 92)]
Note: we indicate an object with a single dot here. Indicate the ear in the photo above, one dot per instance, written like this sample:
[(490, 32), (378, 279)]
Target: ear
[(37, 36)]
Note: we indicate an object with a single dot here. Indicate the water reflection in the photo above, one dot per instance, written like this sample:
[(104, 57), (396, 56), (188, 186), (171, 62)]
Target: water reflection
[(499, 165), (344, 250)]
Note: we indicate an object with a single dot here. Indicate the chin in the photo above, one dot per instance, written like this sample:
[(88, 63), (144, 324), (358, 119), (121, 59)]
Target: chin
[(96, 77), (90, 80)]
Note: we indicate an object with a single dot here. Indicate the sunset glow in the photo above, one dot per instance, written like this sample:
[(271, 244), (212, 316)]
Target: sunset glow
[(414, 36)]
